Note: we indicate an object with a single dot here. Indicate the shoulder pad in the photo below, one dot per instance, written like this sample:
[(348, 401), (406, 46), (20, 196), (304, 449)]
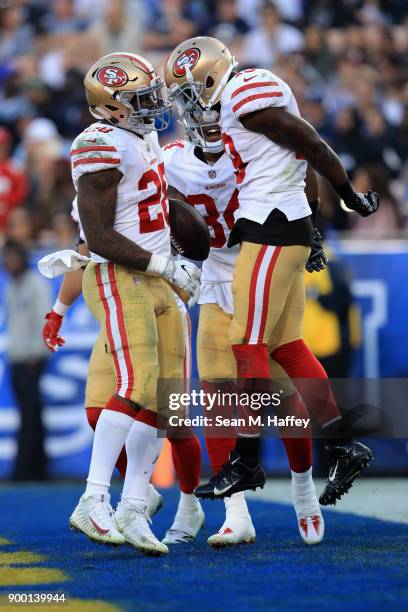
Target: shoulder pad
[(255, 89), (175, 143), (94, 148)]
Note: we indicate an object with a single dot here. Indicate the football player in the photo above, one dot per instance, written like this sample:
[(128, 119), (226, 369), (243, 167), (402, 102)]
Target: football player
[(186, 449), (199, 171), (118, 174), (270, 146)]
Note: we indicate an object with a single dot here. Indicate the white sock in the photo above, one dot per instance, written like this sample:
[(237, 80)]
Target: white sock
[(302, 478), (111, 432), (303, 491), (188, 501), (236, 504), (143, 446)]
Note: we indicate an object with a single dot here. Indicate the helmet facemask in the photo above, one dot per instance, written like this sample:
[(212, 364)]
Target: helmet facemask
[(148, 108), (200, 124)]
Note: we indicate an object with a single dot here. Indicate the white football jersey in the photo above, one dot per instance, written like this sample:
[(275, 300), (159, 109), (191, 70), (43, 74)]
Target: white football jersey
[(142, 205), (212, 191), (268, 176)]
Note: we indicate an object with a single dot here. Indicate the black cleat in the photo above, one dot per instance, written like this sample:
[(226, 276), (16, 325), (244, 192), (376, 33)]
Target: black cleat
[(347, 462), (233, 477)]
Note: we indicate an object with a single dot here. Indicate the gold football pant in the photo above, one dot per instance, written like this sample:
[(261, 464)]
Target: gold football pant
[(269, 295), (101, 380), (136, 311), (215, 359)]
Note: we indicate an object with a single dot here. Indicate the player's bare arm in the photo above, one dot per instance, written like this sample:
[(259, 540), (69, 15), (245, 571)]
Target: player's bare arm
[(97, 198), (292, 132), (296, 134), (312, 190), (317, 258)]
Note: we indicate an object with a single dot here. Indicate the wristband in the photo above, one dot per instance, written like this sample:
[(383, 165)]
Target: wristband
[(157, 264), (346, 192), (59, 308)]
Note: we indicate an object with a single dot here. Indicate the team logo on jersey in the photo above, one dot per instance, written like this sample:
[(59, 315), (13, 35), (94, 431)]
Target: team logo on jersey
[(189, 58), (212, 174), (112, 76)]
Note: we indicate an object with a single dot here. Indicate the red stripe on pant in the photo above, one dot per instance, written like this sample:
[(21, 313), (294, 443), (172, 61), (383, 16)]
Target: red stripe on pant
[(122, 330), (252, 293), (187, 355), (266, 292), (108, 326)]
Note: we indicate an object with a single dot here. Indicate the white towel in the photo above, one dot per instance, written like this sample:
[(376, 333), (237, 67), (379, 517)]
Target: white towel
[(60, 262)]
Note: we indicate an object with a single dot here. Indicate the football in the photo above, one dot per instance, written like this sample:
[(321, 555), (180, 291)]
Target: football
[(190, 236)]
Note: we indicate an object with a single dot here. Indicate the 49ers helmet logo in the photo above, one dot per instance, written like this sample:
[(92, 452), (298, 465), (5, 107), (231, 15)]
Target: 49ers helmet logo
[(112, 76), (188, 58)]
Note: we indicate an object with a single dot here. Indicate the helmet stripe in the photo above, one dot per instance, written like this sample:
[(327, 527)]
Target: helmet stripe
[(147, 66)]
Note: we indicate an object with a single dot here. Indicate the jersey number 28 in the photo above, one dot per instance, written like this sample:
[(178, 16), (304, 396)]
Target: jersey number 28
[(147, 224)]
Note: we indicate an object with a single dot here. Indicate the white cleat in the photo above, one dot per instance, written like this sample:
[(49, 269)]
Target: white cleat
[(309, 517), (186, 525), (133, 523), (237, 529), (94, 517), (154, 501)]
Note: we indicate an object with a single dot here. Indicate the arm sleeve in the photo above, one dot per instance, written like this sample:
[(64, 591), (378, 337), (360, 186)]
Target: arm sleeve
[(256, 90)]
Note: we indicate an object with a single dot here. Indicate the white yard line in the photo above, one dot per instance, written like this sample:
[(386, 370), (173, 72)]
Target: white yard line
[(380, 498)]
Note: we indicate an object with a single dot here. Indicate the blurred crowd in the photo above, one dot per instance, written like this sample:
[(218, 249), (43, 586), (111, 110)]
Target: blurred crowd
[(346, 61)]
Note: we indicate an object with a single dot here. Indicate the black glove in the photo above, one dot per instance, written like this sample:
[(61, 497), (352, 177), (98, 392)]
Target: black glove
[(365, 204), (317, 259)]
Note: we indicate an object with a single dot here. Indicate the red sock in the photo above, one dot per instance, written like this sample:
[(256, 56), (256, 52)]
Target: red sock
[(93, 415), (299, 363), (298, 449), (218, 450), (253, 377), (121, 405), (219, 441), (186, 454), (252, 360)]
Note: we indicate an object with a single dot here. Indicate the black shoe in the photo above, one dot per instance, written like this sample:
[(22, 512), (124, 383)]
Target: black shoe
[(347, 461), (234, 476)]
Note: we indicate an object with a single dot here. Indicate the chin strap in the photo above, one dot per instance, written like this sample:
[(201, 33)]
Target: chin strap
[(214, 147), (222, 84)]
